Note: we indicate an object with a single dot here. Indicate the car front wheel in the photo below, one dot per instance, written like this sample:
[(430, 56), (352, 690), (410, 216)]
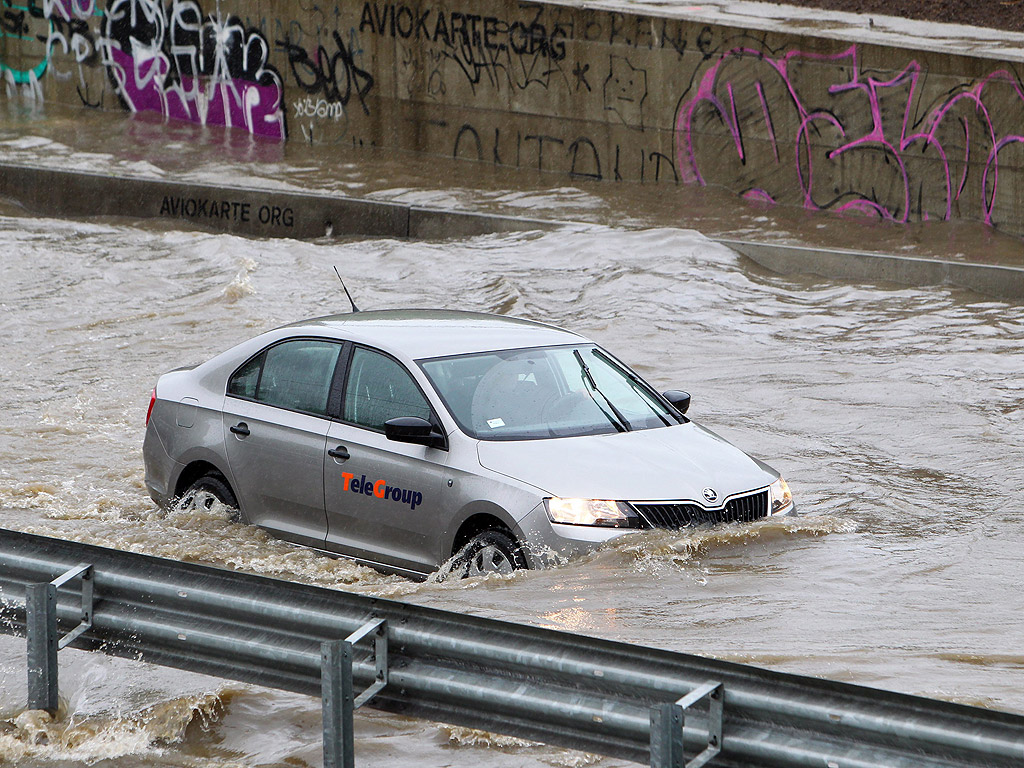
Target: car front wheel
[(490, 551)]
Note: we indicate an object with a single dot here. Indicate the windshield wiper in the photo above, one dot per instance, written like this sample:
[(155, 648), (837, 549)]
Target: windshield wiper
[(619, 422), (639, 385)]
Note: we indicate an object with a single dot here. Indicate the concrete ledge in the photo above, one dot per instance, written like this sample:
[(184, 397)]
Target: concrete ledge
[(304, 216), (239, 210), (1000, 281)]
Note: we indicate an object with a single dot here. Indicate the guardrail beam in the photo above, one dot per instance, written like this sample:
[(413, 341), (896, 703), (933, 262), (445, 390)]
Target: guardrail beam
[(554, 687)]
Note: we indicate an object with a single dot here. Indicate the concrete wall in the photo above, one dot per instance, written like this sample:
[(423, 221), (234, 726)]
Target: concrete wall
[(779, 116)]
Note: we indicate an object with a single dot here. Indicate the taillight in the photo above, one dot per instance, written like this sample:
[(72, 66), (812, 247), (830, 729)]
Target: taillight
[(152, 402)]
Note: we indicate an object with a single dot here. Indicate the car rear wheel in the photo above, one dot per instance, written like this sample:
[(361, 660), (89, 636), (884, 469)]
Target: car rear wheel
[(490, 551), (208, 490)]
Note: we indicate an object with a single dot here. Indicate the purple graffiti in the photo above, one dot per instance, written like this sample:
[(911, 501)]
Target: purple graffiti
[(852, 142), (185, 66)]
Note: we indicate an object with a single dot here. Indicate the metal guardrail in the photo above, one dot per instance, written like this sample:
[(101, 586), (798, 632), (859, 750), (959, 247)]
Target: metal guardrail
[(667, 709)]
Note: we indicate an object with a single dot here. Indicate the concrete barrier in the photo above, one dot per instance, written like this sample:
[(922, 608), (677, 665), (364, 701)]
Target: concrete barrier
[(847, 114), (1000, 281), (239, 210)]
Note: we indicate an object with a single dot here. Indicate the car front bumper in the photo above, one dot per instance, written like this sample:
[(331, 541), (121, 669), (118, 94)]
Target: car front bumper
[(549, 544)]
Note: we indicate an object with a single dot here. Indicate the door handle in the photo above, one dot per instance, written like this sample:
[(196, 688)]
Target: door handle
[(341, 452), (241, 428)]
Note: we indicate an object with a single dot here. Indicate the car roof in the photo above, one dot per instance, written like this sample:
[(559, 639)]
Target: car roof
[(423, 333)]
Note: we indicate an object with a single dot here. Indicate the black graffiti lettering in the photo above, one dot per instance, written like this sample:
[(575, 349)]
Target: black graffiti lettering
[(245, 212), (658, 159), (441, 29), (335, 76), (519, 44), (556, 45), (490, 31), (421, 25), (590, 157), (705, 40), (540, 146), (643, 29), (538, 39), (366, 19), (461, 28), (13, 23), (616, 30), (382, 21), (474, 33), (497, 139), (676, 40), (405, 31), (469, 130)]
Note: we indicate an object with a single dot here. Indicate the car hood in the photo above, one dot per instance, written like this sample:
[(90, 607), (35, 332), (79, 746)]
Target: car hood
[(670, 463)]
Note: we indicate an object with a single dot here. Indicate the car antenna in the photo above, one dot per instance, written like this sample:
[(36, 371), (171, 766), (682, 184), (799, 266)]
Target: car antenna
[(354, 307)]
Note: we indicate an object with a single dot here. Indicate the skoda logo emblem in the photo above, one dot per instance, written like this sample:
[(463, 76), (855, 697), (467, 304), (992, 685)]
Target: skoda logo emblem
[(710, 495)]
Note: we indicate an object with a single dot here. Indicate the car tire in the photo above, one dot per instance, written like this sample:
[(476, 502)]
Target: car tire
[(208, 488), (490, 551)]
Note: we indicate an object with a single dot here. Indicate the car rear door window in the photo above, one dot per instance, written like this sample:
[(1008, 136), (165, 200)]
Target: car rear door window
[(379, 388), (295, 375), (244, 381)]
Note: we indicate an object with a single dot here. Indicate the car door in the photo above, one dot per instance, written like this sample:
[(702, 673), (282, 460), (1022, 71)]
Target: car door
[(275, 436), (384, 498)]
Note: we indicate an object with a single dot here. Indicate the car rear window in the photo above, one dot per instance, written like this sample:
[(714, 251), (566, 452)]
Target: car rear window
[(295, 375)]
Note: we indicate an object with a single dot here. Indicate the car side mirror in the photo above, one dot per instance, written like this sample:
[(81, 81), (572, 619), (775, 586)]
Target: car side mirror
[(413, 429), (680, 400)]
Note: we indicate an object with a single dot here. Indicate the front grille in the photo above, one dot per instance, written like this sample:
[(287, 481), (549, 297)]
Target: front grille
[(742, 509)]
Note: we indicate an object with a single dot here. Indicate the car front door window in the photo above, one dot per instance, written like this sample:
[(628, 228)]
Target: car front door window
[(379, 389)]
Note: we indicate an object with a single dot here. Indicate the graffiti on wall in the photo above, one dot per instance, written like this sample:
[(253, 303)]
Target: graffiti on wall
[(819, 131), (592, 95), (171, 59), (207, 69), (330, 78)]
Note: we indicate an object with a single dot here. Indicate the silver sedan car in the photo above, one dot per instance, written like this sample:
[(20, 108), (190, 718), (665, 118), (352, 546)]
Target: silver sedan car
[(412, 440)]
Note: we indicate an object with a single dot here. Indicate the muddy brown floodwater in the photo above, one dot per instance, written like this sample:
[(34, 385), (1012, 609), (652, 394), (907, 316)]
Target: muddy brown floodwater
[(896, 413)]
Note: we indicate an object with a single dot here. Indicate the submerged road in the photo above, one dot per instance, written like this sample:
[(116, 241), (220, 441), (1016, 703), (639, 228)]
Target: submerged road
[(895, 413)]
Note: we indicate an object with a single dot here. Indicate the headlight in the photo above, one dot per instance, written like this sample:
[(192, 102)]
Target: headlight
[(588, 512), (781, 497)]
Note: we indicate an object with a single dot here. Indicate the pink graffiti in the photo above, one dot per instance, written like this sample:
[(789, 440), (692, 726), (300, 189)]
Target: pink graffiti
[(852, 145), (157, 61), (142, 83)]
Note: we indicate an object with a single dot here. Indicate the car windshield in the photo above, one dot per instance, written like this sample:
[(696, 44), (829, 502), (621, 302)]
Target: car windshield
[(545, 392)]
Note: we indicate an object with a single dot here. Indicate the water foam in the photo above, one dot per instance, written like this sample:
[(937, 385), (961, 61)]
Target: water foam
[(33, 734), (563, 758)]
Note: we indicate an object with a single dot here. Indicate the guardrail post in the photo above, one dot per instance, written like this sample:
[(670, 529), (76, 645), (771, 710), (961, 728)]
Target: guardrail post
[(41, 629), (668, 721), (42, 639), (339, 701)]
